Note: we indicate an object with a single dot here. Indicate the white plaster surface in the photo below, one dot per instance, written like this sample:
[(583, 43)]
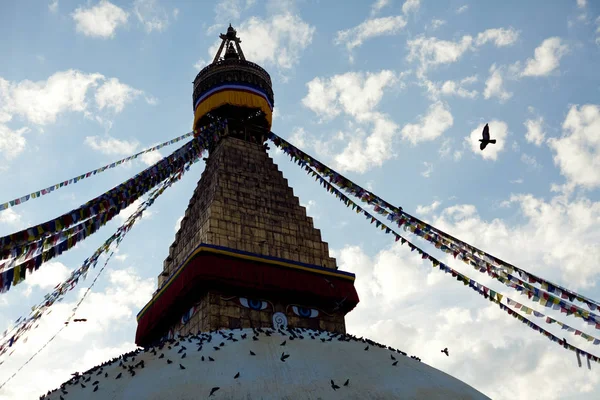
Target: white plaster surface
[(305, 374)]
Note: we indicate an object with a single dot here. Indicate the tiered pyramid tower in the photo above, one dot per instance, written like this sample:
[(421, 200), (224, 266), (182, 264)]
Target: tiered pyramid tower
[(246, 254)]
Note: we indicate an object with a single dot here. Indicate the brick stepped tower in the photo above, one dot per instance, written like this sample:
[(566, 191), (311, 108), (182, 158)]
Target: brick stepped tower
[(246, 253)]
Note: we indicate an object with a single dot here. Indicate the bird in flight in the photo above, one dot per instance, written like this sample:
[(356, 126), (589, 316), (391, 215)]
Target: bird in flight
[(486, 138), (445, 351)]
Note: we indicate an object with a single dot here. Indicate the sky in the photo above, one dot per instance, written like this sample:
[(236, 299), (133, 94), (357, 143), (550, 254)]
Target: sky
[(393, 94)]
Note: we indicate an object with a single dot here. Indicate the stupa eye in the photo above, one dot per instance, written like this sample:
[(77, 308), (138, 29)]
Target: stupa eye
[(253, 304), (305, 312)]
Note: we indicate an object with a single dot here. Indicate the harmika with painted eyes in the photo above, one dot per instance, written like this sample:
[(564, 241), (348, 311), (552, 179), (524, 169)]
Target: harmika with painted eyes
[(282, 316)]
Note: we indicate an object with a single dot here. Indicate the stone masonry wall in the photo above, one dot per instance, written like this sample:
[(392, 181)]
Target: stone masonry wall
[(243, 202)]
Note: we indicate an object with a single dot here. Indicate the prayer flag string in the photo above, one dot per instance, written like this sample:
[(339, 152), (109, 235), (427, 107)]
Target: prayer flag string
[(25, 324), (127, 192), (50, 189), (467, 253), (125, 228), (479, 288)]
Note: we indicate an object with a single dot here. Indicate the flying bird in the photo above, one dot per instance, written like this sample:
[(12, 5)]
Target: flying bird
[(334, 386), (445, 351), (213, 390), (236, 376), (486, 138), (347, 382), (252, 353), (95, 388), (181, 366)]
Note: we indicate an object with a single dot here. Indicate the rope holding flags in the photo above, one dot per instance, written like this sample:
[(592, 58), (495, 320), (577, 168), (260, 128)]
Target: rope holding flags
[(34, 246), (24, 325), (125, 228), (52, 188), (447, 243), (484, 291)]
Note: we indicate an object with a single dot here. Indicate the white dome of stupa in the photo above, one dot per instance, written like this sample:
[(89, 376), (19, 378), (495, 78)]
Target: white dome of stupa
[(265, 364)]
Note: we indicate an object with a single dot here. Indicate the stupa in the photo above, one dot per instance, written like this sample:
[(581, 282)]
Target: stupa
[(249, 304)]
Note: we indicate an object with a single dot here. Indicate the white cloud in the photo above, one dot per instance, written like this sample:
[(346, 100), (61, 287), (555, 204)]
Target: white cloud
[(462, 9), (110, 317), (131, 209), (378, 5), (151, 158), (546, 58), (40, 102), (230, 11), (110, 145), (47, 277), (411, 6), (114, 94), (498, 131), (577, 152), (493, 86), (178, 223), (428, 169), (598, 31), (366, 151), (65, 91), (446, 148), (278, 40), (369, 29), (151, 15), (201, 63), (53, 6), (535, 133), (530, 160), (298, 137), (101, 20), (475, 331), (436, 23), (431, 52), (431, 126), (357, 95), (519, 181), (354, 93), (500, 36), (10, 218), (12, 143), (426, 210), (581, 3), (452, 88)]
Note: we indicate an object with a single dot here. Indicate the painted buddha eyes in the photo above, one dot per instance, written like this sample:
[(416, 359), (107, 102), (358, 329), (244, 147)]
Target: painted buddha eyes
[(253, 304), (259, 305), (305, 312)]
